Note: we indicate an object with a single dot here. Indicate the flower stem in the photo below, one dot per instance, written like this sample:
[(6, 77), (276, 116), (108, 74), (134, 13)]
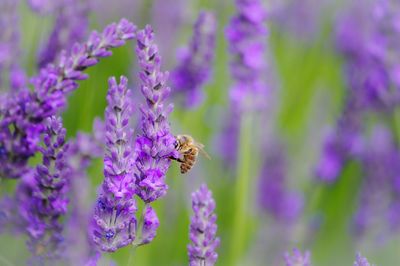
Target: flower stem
[(242, 189), (394, 117)]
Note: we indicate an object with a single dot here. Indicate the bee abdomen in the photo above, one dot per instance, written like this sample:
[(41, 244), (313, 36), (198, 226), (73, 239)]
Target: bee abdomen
[(185, 168)]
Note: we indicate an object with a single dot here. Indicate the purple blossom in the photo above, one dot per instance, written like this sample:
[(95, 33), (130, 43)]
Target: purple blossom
[(379, 194), (154, 148), (341, 144), (23, 114), (196, 61), (361, 261), (297, 258), (368, 36), (246, 34), (70, 26), (274, 196), (150, 225), (203, 229), (11, 74), (114, 221), (42, 195)]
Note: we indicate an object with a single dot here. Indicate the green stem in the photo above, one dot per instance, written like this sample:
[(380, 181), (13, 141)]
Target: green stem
[(242, 189), (394, 117)]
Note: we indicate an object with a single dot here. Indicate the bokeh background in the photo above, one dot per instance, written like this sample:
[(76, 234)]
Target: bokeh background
[(307, 79)]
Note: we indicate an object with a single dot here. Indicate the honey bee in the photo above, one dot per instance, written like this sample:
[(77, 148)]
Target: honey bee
[(189, 150)]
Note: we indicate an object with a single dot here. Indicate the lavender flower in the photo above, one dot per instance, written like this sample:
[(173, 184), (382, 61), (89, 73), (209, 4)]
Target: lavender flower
[(361, 261), (379, 190), (155, 146), (341, 144), (11, 74), (203, 229), (150, 225), (114, 220), (22, 114), (274, 197), (368, 36), (246, 35), (297, 259), (196, 61), (70, 26), (46, 202)]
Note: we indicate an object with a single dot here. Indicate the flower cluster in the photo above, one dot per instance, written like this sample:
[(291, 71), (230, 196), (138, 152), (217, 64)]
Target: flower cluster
[(297, 259), (246, 35), (342, 143), (380, 192), (81, 151), (367, 35), (155, 145), (11, 74), (274, 197), (203, 229), (70, 26), (114, 220), (361, 261), (195, 66), (23, 114), (42, 195)]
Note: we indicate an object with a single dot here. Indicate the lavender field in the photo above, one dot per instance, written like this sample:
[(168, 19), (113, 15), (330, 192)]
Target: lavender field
[(199, 132)]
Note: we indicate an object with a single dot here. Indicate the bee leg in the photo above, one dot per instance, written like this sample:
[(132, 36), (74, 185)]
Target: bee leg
[(179, 160)]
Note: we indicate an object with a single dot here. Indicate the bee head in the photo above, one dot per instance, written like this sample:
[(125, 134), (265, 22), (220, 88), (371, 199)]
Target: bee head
[(176, 144)]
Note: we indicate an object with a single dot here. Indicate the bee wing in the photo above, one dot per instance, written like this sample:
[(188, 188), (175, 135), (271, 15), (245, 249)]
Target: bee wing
[(202, 151)]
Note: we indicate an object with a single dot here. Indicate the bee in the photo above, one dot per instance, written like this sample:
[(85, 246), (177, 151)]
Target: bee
[(189, 150)]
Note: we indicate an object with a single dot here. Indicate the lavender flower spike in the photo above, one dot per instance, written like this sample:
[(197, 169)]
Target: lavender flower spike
[(246, 34), (203, 229), (155, 147), (196, 61), (47, 202), (150, 225), (114, 219), (11, 74), (297, 259), (361, 261), (70, 26), (22, 115)]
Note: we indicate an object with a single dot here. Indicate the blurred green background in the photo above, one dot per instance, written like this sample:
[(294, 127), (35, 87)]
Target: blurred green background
[(310, 86)]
